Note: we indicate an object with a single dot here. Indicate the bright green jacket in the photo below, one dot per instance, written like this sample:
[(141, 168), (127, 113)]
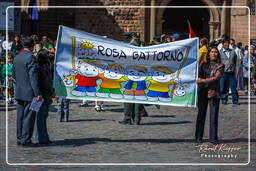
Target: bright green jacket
[(9, 70)]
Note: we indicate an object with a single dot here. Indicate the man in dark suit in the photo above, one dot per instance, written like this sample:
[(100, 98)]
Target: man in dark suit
[(231, 61), (26, 76)]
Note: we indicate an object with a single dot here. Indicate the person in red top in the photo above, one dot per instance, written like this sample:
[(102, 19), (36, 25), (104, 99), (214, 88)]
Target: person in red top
[(86, 75)]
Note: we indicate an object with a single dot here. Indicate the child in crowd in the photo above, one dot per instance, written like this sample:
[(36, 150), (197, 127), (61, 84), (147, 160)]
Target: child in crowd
[(2, 62), (99, 106), (9, 81)]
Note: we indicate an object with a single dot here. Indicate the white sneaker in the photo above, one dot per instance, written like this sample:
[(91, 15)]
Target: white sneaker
[(102, 107), (97, 108)]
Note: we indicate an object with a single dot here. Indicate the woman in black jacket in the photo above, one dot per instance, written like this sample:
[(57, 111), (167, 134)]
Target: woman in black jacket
[(208, 81), (45, 86)]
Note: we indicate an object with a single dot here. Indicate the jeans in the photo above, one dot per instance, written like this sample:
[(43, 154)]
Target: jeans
[(228, 80), (63, 109), (41, 133)]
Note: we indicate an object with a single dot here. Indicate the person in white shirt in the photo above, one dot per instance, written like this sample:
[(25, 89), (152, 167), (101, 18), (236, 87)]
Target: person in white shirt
[(7, 44)]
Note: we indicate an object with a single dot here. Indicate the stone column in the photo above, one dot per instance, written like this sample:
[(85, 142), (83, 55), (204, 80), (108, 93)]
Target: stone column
[(152, 20), (223, 18), (214, 27)]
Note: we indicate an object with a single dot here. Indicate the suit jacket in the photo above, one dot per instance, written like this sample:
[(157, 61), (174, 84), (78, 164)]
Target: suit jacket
[(26, 76), (213, 82)]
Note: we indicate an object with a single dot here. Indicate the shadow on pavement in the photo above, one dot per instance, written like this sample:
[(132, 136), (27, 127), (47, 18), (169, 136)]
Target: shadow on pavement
[(241, 103), (115, 110), (166, 123), (86, 141), (86, 120), (162, 116), (236, 140), (9, 108)]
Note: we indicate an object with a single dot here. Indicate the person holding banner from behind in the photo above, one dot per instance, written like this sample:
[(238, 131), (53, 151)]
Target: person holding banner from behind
[(210, 73)]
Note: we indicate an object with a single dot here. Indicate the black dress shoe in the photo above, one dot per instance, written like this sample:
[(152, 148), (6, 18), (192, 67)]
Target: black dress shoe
[(30, 144), (236, 103), (199, 141), (144, 115), (45, 143), (125, 122), (214, 142)]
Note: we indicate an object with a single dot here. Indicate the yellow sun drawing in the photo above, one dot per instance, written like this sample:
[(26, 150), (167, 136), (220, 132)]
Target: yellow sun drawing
[(86, 45)]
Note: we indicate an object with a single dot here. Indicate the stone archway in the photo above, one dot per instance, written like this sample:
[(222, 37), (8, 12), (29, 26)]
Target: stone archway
[(214, 23)]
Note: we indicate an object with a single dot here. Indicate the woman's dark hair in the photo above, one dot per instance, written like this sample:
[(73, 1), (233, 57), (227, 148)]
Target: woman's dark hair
[(42, 57), (204, 41), (208, 55)]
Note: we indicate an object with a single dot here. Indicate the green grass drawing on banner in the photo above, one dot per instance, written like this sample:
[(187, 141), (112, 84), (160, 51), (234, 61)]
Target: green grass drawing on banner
[(181, 100)]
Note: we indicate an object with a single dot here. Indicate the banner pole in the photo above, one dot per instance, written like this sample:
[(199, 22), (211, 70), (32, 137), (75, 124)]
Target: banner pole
[(73, 58), (178, 73)]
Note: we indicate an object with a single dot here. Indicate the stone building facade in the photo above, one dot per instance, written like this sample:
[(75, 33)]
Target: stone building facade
[(209, 19)]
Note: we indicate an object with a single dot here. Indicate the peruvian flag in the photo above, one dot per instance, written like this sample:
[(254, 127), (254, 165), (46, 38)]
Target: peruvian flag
[(191, 32)]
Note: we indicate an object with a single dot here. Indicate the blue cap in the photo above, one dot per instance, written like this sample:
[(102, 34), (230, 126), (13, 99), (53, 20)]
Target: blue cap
[(176, 36)]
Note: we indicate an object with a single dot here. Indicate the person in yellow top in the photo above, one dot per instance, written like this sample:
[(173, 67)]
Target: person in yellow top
[(203, 50), (111, 78), (161, 79)]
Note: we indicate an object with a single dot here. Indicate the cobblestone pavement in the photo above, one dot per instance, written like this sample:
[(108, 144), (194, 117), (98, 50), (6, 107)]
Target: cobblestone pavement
[(166, 136)]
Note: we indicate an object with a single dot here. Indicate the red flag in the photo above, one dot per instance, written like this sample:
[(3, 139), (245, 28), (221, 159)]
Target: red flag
[(191, 32)]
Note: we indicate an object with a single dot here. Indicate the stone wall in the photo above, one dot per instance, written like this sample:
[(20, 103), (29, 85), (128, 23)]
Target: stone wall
[(111, 22), (114, 22), (239, 23)]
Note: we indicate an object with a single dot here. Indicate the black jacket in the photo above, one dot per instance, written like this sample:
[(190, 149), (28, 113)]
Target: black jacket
[(45, 84)]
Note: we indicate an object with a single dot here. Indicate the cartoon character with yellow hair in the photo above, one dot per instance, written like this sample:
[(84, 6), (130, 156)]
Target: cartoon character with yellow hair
[(162, 77), (135, 87), (86, 76), (112, 77)]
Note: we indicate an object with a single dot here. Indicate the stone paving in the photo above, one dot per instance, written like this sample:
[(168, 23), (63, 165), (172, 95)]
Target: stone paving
[(166, 136)]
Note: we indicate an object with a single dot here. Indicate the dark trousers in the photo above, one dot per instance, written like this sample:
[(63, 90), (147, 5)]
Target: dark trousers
[(228, 80), (25, 122), (62, 109), (41, 135), (202, 110), (132, 111)]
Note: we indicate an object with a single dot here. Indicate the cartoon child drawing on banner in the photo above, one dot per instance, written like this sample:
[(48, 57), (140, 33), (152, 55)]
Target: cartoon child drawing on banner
[(135, 87), (161, 79), (111, 77), (86, 75)]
